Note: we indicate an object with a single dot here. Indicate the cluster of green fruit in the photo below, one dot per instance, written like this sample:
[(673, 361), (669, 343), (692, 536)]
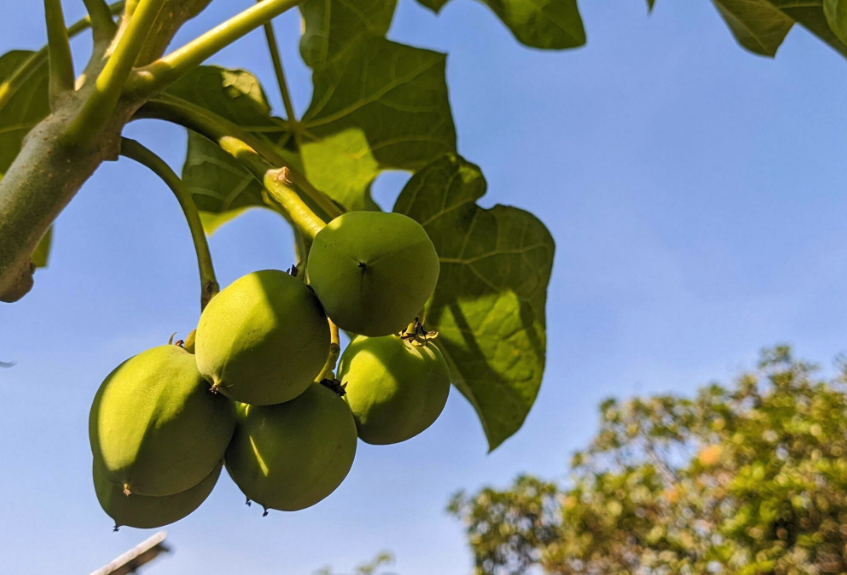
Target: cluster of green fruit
[(254, 389)]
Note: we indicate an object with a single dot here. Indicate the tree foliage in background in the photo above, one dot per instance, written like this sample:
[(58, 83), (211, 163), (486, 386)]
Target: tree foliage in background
[(748, 479), (372, 567)]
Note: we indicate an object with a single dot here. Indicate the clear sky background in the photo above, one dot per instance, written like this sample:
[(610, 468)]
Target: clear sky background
[(696, 194)]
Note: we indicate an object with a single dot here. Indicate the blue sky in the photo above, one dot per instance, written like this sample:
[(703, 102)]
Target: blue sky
[(696, 196)]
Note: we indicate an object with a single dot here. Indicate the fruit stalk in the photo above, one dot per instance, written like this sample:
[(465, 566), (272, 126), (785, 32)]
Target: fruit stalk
[(278, 184), (334, 353), (214, 127), (208, 283)]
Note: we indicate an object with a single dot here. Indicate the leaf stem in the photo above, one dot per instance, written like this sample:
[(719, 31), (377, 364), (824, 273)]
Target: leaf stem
[(109, 86), (59, 49), (170, 68), (136, 151), (34, 62), (276, 58), (215, 127), (334, 353), (100, 16), (277, 183)]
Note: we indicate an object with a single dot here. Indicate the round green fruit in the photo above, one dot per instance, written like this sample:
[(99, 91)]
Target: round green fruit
[(145, 512), (263, 340), (373, 271), (395, 389), (154, 426), (293, 455)]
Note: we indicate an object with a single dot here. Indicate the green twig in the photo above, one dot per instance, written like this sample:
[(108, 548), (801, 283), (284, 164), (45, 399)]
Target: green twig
[(334, 353), (34, 62), (276, 58), (109, 86), (170, 68), (215, 127), (59, 48), (100, 15), (277, 183), (138, 152)]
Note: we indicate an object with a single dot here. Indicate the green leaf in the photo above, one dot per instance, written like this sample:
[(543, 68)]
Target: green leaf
[(26, 104), (814, 20), (757, 25), (221, 188), (42, 251), (836, 15), (234, 94), (761, 25), (330, 26), (377, 105), (545, 24), (489, 305), (24, 108)]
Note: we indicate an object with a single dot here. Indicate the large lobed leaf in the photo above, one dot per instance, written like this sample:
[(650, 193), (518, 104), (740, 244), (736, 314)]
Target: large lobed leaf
[(331, 26), (24, 107), (489, 305), (377, 105), (546, 24), (836, 15), (761, 25)]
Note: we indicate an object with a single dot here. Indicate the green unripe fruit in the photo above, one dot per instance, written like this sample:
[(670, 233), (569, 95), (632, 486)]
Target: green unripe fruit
[(293, 455), (263, 340), (395, 389), (373, 271), (155, 428), (145, 512)]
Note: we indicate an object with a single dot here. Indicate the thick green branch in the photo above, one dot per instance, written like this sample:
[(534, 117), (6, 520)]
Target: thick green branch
[(59, 48), (277, 183), (215, 127), (170, 68), (136, 151), (100, 106), (34, 62), (100, 15)]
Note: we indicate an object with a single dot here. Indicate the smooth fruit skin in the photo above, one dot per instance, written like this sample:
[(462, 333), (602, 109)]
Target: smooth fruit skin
[(263, 340), (291, 456), (155, 427), (145, 512), (395, 389), (373, 271)]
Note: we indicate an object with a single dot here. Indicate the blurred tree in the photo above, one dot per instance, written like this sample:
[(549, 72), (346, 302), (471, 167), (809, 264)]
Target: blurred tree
[(373, 567), (745, 480)]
